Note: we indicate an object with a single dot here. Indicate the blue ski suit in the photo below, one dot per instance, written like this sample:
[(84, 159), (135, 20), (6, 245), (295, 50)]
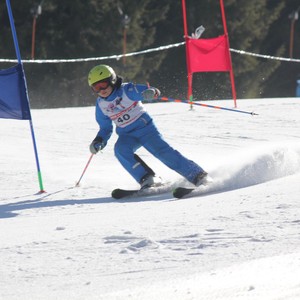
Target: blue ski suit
[(136, 129)]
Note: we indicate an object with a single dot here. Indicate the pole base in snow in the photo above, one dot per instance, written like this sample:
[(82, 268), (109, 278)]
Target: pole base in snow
[(41, 192)]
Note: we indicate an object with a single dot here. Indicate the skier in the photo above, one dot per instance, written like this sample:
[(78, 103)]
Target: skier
[(120, 103)]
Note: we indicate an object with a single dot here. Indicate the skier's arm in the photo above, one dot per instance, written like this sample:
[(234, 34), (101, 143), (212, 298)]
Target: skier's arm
[(104, 132), (105, 125), (139, 92)]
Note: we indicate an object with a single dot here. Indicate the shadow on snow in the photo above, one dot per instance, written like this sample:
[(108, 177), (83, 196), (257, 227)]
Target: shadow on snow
[(9, 210)]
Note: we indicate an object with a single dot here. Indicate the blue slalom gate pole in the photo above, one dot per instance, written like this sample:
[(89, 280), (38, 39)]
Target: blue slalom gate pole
[(17, 49)]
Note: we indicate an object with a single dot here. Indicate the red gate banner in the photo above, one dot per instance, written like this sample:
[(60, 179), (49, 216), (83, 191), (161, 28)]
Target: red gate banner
[(209, 55)]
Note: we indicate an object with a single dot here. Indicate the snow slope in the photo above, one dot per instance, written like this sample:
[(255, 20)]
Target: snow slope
[(238, 238)]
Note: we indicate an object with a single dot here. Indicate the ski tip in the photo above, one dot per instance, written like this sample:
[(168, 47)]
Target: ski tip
[(180, 192), (120, 193), (116, 194)]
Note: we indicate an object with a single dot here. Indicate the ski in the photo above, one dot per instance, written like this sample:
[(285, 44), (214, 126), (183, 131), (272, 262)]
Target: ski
[(180, 192), (122, 193)]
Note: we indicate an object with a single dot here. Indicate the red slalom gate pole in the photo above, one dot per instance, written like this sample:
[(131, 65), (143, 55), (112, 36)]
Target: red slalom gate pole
[(206, 105), (186, 37), (229, 55)]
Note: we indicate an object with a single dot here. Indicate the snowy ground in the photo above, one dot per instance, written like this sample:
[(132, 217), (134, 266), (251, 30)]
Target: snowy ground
[(239, 240)]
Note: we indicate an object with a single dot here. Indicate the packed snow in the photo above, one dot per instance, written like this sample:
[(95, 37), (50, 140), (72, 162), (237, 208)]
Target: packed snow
[(236, 238)]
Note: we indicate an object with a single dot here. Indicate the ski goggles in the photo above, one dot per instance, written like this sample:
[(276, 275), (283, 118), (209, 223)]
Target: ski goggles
[(101, 85)]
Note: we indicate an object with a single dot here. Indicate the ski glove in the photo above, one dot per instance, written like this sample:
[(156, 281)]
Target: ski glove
[(150, 94), (97, 144)]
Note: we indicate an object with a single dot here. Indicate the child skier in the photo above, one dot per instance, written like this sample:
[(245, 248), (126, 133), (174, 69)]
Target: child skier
[(120, 103)]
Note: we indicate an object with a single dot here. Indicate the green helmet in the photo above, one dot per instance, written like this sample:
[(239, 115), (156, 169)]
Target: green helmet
[(102, 72)]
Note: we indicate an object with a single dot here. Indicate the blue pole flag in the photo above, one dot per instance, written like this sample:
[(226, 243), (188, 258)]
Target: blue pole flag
[(13, 94), (14, 100)]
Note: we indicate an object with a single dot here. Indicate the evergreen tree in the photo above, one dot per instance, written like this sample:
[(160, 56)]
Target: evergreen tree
[(95, 28), (282, 82), (73, 29)]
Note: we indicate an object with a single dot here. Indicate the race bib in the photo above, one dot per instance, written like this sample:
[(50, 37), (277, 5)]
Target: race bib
[(122, 111)]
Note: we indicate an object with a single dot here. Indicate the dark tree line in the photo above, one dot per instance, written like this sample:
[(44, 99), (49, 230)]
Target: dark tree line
[(95, 28)]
